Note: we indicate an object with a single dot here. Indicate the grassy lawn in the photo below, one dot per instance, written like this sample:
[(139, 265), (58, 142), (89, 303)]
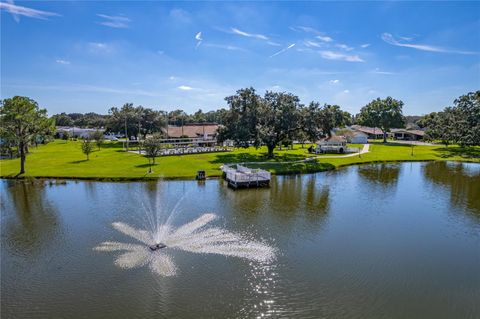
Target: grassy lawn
[(65, 160)]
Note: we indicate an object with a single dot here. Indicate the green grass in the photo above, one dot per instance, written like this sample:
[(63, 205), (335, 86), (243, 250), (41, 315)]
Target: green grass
[(65, 160)]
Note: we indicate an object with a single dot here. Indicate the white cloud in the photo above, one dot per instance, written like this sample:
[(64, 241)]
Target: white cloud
[(346, 91), (378, 71), (283, 50), (330, 55), (185, 88), (180, 15), (344, 47), (366, 45), (309, 43), (26, 12), (99, 47), (388, 38), (324, 38), (199, 39), (305, 29), (60, 61), (224, 47), (274, 43), (119, 22), (334, 81), (248, 35), (320, 35)]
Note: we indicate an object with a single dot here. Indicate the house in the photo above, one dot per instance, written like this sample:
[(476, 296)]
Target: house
[(407, 135), (193, 130), (358, 138), (334, 143), (372, 132)]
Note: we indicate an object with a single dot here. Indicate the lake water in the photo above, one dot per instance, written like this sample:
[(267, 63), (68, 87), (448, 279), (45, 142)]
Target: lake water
[(372, 241)]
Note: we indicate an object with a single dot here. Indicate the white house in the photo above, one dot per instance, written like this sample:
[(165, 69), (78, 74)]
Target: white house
[(75, 131), (359, 138)]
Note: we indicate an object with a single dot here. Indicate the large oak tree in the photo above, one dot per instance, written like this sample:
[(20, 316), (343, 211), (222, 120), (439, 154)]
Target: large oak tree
[(386, 114)]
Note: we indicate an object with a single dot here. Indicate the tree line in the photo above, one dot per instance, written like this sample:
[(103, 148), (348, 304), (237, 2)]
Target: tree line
[(138, 121), (276, 118), (457, 124)]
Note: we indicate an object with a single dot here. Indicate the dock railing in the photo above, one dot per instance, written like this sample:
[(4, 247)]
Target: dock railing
[(242, 174)]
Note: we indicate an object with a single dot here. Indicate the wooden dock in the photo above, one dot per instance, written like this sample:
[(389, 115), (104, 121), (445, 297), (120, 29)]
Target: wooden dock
[(242, 176)]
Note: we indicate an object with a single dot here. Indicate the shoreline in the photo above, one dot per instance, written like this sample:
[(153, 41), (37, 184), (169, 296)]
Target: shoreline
[(218, 176)]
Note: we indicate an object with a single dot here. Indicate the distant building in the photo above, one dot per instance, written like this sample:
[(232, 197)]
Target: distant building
[(194, 130), (358, 138), (372, 132), (407, 135), (75, 131)]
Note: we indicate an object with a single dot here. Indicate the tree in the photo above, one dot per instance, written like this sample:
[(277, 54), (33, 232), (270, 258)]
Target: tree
[(152, 147), (441, 126), (87, 147), (457, 124), (279, 119), (66, 135), (124, 120), (253, 120), (98, 137), (22, 121), (151, 122), (386, 113), (468, 120), (242, 118), (331, 116), (310, 120), (63, 120)]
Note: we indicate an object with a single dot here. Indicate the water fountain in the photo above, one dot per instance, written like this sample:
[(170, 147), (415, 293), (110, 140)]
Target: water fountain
[(194, 237)]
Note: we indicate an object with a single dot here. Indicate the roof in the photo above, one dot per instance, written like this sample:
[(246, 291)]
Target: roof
[(358, 133), (404, 131), (368, 130), (192, 130), (334, 138), (76, 129)]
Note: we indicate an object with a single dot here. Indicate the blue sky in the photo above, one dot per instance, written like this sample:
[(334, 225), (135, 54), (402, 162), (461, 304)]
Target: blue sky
[(81, 56)]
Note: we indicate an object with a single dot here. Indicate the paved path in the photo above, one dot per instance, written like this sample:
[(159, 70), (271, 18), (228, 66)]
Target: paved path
[(365, 149)]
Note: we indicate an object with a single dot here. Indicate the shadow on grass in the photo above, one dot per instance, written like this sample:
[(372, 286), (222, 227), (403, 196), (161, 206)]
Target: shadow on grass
[(79, 161), (256, 157), (464, 152), (294, 168), (146, 165), (389, 143)]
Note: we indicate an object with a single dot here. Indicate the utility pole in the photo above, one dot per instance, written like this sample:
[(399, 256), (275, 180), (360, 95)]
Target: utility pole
[(138, 137), (182, 125), (126, 133), (166, 116)]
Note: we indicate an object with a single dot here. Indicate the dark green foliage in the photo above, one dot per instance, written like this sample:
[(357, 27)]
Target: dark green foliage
[(386, 114), (135, 121), (253, 120), (23, 123), (458, 124)]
